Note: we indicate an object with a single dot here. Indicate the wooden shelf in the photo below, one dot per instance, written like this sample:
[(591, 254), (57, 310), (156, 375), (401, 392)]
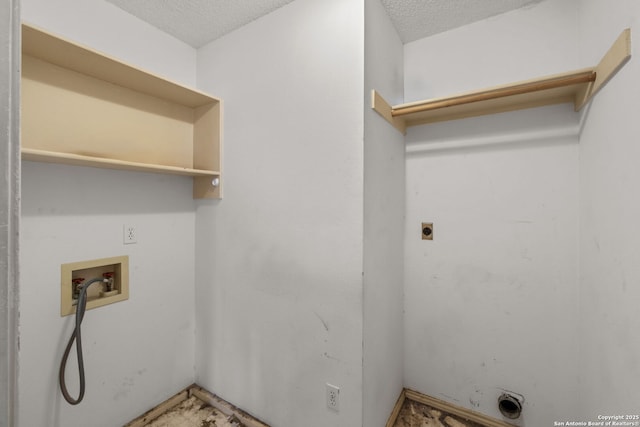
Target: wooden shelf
[(80, 107), (79, 160), (577, 87)]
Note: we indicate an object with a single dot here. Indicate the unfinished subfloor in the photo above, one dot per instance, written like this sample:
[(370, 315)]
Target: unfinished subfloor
[(414, 409), (195, 407), (193, 412), (415, 414)]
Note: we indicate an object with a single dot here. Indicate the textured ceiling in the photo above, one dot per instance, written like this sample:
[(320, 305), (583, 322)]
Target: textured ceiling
[(416, 19), (197, 22)]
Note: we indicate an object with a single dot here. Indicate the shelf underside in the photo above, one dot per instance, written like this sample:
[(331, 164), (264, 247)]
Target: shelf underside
[(570, 87), (98, 162), (547, 91)]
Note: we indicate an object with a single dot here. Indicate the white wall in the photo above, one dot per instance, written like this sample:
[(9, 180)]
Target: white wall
[(137, 352), (384, 169), (279, 259), (609, 208), (490, 303)]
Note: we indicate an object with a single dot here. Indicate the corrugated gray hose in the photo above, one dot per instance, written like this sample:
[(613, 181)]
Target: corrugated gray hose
[(80, 309)]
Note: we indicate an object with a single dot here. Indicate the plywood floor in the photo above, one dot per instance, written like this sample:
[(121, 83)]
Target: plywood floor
[(414, 414), (195, 407), (194, 412)]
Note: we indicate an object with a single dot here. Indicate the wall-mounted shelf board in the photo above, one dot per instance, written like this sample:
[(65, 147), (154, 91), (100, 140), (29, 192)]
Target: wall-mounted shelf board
[(577, 87), (81, 107), (78, 160)]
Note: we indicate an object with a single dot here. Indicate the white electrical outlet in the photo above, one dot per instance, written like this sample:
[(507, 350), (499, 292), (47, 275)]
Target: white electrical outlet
[(333, 397), (130, 235)]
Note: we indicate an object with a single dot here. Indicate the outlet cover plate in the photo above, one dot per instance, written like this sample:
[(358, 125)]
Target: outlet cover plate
[(333, 397), (130, 234)]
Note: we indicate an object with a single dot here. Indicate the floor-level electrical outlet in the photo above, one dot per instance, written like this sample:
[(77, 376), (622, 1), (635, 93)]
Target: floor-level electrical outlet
[(130, 235), (333, 397)]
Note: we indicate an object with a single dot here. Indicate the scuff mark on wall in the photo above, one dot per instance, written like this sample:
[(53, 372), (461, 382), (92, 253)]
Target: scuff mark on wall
[(324, 322), (328, 356)]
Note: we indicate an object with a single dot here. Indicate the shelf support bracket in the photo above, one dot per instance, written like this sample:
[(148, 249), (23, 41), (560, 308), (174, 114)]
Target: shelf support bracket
[(383, 108), (615, 58)]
